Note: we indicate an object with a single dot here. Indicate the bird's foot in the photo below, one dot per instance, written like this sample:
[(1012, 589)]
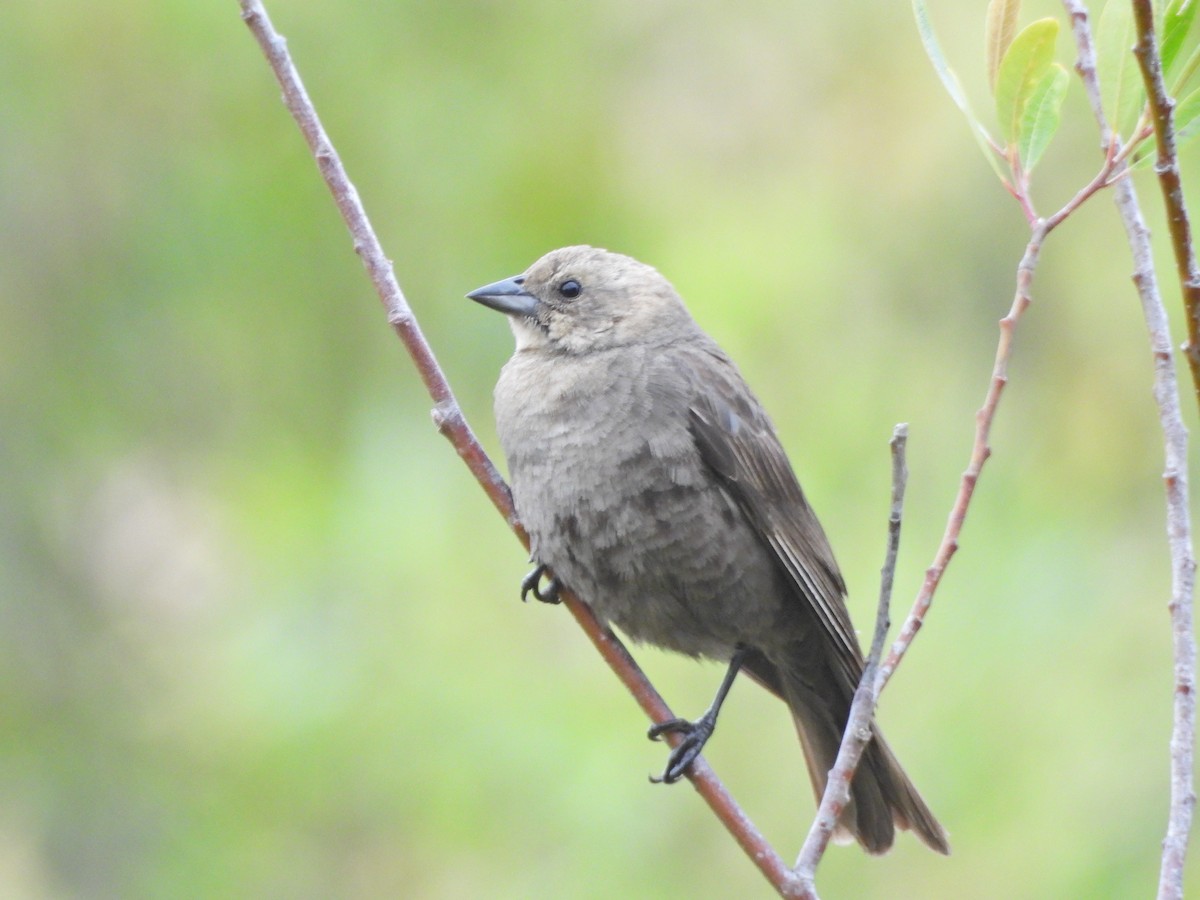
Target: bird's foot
[(695, 736), (531, 584)]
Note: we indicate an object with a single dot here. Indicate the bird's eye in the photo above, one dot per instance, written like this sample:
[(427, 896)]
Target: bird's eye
[(570, 288)]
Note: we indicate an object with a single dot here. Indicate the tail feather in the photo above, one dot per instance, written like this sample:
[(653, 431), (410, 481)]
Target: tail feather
[(882, 798), (908, 808)]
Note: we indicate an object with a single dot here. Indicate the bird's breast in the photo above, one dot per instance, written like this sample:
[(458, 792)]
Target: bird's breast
[(609, 484)]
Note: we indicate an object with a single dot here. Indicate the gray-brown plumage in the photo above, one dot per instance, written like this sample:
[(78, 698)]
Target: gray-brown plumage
[(651, 481)]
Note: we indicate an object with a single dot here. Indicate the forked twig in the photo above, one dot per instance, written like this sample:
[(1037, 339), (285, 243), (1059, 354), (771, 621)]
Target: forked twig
[(984, 418)]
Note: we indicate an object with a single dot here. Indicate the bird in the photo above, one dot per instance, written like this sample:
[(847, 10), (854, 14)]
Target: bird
[(652, 482)]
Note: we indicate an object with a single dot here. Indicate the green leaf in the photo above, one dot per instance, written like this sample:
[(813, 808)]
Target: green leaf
[(1121, 87), (1041, 117), (1187, 118), (1024, 65), (950, 82), (1177, 22), (1186, 73), (934, 51), (998, 34)]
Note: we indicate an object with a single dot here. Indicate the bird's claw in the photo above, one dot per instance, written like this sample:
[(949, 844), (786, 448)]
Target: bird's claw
[(695, 736), (531, 584)]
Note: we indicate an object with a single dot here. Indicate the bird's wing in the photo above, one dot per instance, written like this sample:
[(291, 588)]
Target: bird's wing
[(738, 443)]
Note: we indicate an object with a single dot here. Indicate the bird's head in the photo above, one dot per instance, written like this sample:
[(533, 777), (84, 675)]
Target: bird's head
[(581, 299)]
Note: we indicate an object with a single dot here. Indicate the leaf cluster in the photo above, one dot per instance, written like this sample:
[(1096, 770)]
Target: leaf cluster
[(1029, 84)]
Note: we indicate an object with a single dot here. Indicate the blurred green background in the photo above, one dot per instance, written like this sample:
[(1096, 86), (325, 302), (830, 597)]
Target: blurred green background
[(259, 630)]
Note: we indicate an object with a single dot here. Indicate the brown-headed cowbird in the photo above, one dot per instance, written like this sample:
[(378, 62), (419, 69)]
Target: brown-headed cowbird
[(652, 483)]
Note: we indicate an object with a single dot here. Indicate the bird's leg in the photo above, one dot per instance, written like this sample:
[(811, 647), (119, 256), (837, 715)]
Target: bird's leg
[(531, 583), (695, 734)]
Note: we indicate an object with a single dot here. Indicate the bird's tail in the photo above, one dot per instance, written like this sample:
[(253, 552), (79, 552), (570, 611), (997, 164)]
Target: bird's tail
[(882, 798)]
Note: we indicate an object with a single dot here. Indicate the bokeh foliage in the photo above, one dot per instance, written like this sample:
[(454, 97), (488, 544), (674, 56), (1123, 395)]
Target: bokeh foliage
[(259, 633)]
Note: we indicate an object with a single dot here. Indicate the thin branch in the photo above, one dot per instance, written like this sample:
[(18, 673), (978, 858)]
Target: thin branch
[(858, 724), (447, 414), (1162, 108), (452, 424), (1179, 539), (1085, 66), (1183, 735), (1175, 481)]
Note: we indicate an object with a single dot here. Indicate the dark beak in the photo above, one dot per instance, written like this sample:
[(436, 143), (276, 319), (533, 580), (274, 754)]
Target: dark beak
[(507, 296)]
